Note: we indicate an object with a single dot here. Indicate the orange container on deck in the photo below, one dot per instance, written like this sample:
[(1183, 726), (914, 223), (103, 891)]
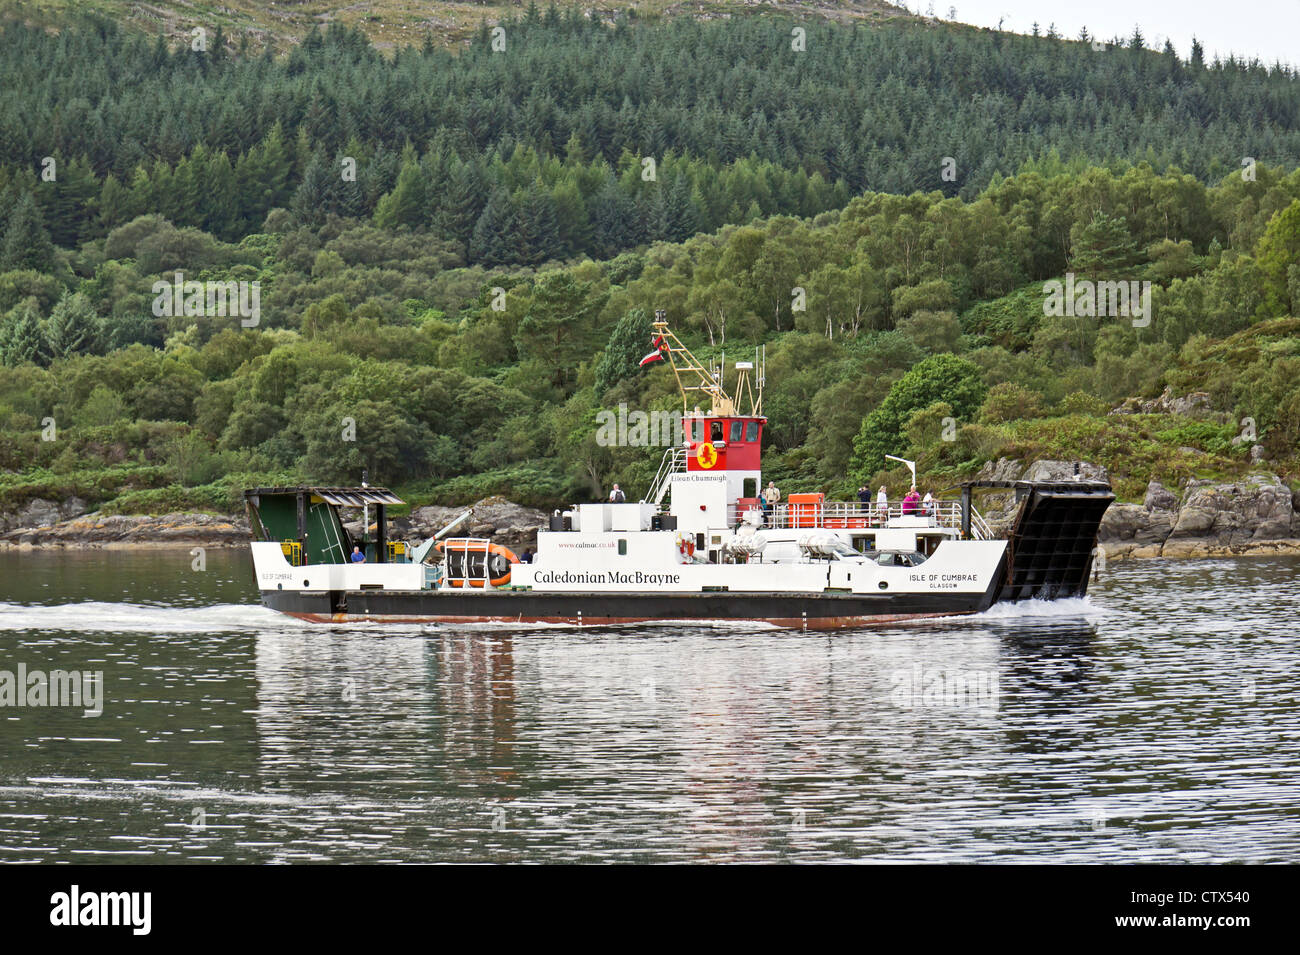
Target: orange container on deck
[(806, 509)]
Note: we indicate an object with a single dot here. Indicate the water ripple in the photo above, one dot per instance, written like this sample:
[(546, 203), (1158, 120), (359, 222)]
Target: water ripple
[(1157, 721)]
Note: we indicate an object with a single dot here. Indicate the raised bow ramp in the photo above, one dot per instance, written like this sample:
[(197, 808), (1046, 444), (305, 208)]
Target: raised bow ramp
[(1052, 542)]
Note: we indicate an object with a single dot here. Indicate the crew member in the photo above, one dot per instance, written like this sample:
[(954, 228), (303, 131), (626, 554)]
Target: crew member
[(357, 556)]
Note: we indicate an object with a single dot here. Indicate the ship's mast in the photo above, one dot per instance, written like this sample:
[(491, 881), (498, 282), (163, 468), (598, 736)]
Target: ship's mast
[(693, 376)]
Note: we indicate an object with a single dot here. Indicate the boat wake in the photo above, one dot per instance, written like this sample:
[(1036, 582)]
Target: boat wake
[(1069, 607), (96, 616), (92, 616)]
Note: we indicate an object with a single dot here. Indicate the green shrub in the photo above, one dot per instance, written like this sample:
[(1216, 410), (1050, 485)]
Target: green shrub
[(525, 484), (944, 378), (1204, 435), (1008, 401), (1082, 403)]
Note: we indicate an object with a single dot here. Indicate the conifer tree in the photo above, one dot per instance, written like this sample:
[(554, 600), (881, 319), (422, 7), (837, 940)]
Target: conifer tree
[(406, 205), (538, 235), (613, 220), (461, 206), (314, 196), (22, 337), (494, 233), (26, 242), (628, 344), (67, 202), (1103, 249), (72, 328), (115, 204)]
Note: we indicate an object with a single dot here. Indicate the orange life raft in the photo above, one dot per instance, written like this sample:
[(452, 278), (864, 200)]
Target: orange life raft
[(465, 560)]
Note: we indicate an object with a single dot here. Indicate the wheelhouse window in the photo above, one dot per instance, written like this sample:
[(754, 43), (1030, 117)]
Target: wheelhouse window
[(737, 430), (751, 431), (715, 431)]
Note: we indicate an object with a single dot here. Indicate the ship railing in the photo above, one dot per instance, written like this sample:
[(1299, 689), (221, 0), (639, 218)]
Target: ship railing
[(331, 530), (855, 514), (673, 462)]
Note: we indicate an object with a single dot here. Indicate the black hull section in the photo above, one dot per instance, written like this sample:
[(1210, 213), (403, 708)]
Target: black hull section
[(812, 611)]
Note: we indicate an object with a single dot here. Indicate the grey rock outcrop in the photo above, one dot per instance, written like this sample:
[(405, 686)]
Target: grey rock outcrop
[(1065, 471), (43, 523), (1257, 514), (1196, 404), (39, 512), (999, 508), (1160, 498), (1004, 469), (504, 522), (99, 530)]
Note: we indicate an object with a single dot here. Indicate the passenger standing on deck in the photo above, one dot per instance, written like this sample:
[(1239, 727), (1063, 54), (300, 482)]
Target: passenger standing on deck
[(864, 496), (882, 504), (617, 496), (927, 504), (771, 498), (911, 501)]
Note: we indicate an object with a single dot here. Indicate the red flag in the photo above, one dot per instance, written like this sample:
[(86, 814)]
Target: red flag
[(659, 345)]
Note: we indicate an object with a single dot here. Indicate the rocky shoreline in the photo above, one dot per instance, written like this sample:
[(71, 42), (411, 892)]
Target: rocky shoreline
[(1258, 515), (45, 524)]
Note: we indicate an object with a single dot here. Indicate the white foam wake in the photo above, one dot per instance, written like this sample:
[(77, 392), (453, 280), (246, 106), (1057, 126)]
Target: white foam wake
[(91, 616), (1068, 607)]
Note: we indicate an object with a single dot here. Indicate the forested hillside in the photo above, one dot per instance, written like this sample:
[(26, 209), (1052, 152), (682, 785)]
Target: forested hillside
[(881, 208), (392, 24), (553, 131)]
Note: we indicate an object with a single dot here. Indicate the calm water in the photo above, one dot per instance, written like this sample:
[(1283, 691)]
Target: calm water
[(1157, 721)]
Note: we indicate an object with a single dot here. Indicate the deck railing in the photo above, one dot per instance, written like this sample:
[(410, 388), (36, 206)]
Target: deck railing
[(468, 547), (855, 514), (673, 462)]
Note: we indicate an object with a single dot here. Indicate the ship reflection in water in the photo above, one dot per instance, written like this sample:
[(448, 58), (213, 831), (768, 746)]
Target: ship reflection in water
[(1154, 722)]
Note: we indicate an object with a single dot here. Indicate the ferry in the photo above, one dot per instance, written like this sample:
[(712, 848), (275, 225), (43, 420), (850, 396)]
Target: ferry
[(701, 546)]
